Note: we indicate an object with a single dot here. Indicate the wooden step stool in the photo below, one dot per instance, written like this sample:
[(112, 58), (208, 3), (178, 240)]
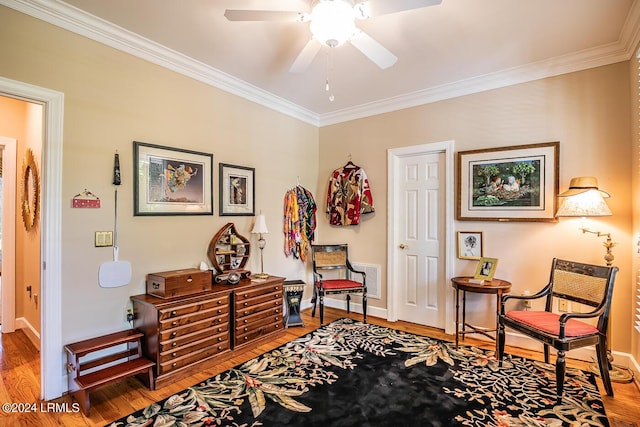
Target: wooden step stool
[(92, 373)]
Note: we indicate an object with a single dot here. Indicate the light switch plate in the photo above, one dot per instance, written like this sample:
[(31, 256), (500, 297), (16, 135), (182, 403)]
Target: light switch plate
[(104, 239)]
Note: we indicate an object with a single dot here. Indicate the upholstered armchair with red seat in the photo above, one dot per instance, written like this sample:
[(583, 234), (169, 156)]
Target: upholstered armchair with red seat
[(586, 284), (333, 262)]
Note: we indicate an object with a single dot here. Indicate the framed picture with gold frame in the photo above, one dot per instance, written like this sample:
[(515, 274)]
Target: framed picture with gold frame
[(486, 268), (470, 244), (516, 183)]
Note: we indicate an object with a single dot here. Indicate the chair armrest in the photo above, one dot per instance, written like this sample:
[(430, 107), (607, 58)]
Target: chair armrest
[(541, 294), (351, 269)]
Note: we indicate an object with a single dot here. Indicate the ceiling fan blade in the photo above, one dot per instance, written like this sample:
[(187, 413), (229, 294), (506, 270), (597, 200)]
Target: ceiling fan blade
[(384, 7), (373, 50), (262, 15), (305, 57)]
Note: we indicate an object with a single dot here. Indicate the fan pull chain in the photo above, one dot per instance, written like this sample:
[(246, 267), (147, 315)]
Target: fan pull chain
[(327, 86)]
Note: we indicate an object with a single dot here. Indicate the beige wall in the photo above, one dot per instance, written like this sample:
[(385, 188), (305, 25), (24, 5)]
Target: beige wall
[(112, 99), (588, 112), (23, 121)]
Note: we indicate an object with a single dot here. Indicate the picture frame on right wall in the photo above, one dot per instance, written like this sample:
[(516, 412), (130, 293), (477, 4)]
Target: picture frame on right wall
[(516, 183), (470, 244)]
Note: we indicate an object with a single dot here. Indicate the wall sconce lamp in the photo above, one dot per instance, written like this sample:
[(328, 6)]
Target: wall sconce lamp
[(260, 228), (583, 199)]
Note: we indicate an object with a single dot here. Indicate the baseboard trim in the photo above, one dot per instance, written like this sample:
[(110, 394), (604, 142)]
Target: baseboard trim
[(29, 331)]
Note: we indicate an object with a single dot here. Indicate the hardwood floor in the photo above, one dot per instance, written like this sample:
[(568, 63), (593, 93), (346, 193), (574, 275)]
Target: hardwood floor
[(20, 373)]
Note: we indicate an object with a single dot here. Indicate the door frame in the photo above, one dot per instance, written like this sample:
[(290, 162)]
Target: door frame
[(393, 156), (9, 185), (51, 364)]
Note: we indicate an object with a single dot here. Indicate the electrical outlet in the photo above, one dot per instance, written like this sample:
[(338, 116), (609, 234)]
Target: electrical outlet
[(563, 305), (526, 304)]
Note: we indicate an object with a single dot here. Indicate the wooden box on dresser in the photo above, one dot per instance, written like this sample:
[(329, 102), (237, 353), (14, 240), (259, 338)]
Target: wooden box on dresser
[(186, 334)]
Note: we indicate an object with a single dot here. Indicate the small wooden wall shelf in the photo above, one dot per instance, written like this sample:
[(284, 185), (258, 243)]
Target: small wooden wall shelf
[(228, 250)]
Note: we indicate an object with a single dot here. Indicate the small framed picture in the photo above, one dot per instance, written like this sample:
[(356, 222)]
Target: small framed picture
[(237, 190), (470, 244), (486, 268)]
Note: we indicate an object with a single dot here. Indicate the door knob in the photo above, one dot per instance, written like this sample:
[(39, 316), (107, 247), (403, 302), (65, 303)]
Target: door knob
[(403, 246)]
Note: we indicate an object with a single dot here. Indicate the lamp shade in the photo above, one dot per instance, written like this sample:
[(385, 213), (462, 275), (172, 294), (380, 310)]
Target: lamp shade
[(260, 227)]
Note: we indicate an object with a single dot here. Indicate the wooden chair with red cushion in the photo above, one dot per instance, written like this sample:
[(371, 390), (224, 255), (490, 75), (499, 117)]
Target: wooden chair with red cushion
[(335, 257), (590, 285)]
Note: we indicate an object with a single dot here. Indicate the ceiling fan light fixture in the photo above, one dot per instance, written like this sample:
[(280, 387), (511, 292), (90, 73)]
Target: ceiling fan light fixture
[(332, 22)]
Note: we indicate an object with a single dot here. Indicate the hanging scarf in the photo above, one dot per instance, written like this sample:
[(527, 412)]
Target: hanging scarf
[(299, 222)]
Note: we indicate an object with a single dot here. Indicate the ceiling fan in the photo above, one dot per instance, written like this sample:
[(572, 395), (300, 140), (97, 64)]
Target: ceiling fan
[(332, 23)]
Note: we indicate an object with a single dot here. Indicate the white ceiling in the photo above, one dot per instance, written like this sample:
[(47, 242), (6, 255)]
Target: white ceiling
[(446, 50)]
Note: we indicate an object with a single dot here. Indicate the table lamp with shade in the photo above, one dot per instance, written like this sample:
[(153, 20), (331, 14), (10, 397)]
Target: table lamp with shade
[(585, 199), (260, 228)]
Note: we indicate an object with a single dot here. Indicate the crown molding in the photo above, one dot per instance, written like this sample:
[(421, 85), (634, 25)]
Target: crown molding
[(77, 21), (70, 18)]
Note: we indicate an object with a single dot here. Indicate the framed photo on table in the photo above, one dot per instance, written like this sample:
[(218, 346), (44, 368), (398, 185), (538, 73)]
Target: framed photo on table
[(171, 181), (237, 190), (486, 269), (470, 244), (517, 183)]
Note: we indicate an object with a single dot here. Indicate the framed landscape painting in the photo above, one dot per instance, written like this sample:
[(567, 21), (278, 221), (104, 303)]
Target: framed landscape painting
[(517, 183)]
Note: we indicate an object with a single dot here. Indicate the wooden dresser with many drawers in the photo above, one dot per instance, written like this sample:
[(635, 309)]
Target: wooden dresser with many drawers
[(186, 334)]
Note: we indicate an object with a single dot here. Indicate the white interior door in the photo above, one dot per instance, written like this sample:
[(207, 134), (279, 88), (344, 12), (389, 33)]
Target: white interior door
[(420, 240)]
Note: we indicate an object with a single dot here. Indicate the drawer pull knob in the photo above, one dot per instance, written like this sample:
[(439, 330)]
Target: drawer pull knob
[(246, 321), (246, 295), (189, 279), (246, 312), (246, 304), (277, 311), (277, 326), (275, 288), (173, 313), (246, 338), (219, 302), (220, 347), (173, 344), (173, 365), (219, 339), (277, 318), (173, 334), (246, 329), (174, 354), (174, 323), (219, 329), (219, 311)]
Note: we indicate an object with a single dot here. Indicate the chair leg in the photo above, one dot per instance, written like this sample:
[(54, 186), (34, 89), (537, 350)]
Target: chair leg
[(364, 306), (560, 369), (603, 364), (314, 300), (321, 308), (546, 353), (348, 303), (500, 346)]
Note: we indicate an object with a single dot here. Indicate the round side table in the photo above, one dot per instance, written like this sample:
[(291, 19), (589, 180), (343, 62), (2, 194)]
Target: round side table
[(497, 287)]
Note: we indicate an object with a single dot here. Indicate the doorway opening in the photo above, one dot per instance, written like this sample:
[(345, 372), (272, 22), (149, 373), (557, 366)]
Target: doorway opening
[(51, 364)]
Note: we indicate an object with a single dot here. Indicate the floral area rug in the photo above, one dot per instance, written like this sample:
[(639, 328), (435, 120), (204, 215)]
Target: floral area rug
[(349, 373)]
